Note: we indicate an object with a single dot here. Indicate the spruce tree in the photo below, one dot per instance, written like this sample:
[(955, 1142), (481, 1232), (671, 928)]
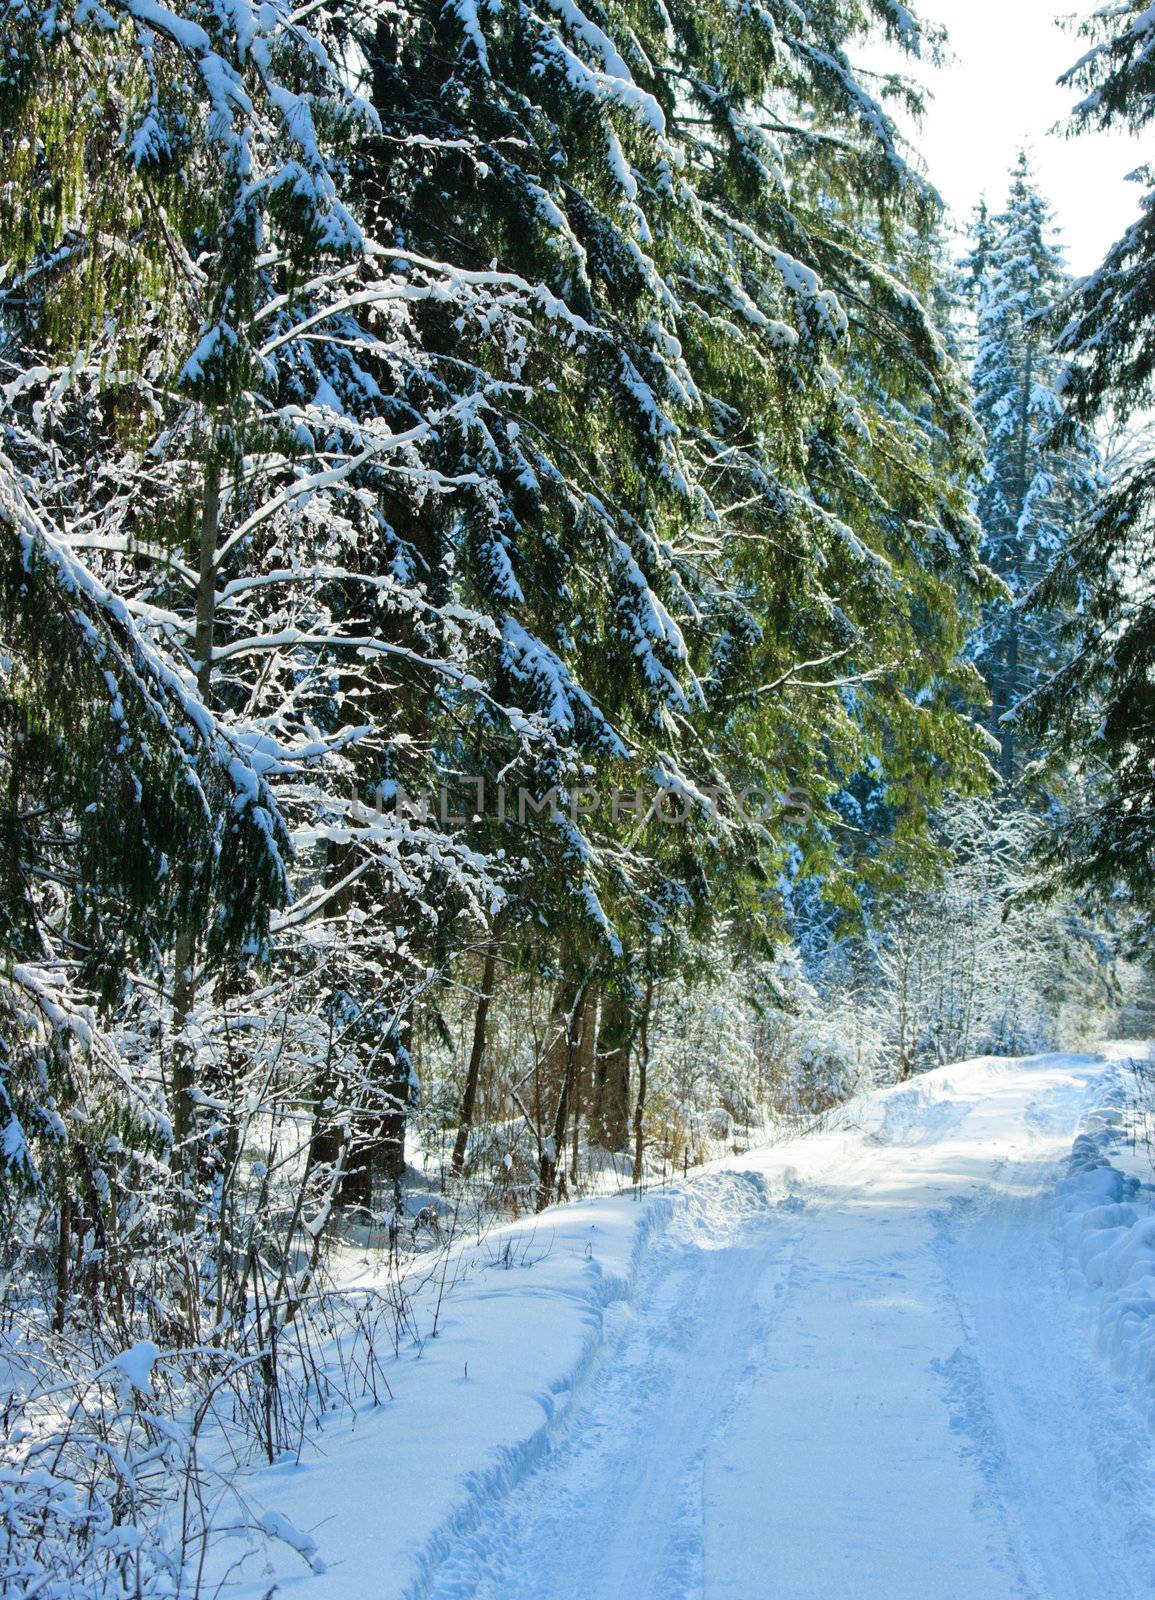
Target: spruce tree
[(1098, 708), (1033, 491), (128, 810), (732, 547), (572, 413), (758, 459), (198, 322)]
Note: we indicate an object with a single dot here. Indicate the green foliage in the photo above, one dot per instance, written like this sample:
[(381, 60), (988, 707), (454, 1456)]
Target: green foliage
[(570, 414), (761, 430), (1098, 708), (119, 789)]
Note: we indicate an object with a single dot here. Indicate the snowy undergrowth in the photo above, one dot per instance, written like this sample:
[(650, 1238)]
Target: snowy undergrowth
[(124, 1468), (1107, 1206)]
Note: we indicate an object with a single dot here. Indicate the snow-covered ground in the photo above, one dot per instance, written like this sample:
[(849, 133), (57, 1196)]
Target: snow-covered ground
[(905, 1358)]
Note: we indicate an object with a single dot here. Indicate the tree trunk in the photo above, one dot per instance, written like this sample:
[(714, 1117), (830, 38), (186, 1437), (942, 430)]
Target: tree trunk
[(185, 985), (327, 1138), (476, 1056), (643, 1066), (612, 1099), (183, 1080), (584, 1071), (206, 596), (63, 1259), (1010, 697), (553, 1146), (379, 1149), (552, 1064)]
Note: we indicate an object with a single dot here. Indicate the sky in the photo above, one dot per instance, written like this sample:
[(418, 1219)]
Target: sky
[(999, 93)]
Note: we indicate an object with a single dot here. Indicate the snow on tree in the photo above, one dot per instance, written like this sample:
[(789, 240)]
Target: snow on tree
[(1034, 491), (1097, 707), (738, 478)]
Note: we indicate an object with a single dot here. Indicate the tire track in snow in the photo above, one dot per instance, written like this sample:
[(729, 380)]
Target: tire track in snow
[(887, 1398), (1067, 1467), (614, 1509)]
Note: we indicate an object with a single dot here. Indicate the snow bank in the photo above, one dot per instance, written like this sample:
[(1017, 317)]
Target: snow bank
[(920, 1111), (1107, 1205)]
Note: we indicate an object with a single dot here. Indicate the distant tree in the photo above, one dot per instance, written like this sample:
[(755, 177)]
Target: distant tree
[(1035, 489)]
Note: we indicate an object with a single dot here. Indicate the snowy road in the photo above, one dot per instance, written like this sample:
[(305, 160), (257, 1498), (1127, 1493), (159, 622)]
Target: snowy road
[(851, 1371)]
